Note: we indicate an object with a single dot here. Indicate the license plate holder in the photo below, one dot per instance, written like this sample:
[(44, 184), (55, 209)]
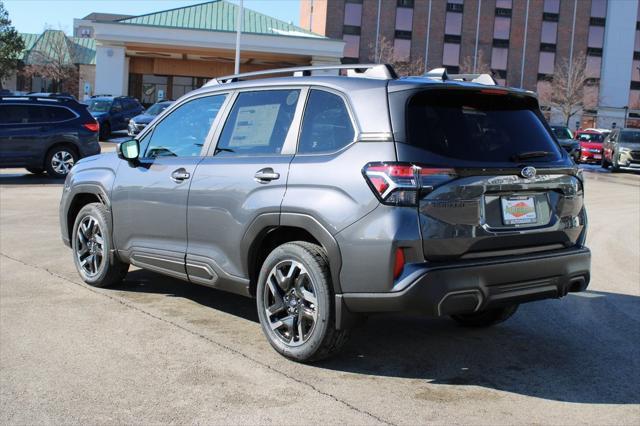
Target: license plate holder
[(519, 210)]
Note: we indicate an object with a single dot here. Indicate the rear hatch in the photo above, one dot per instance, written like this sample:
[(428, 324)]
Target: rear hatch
[(492, 180)]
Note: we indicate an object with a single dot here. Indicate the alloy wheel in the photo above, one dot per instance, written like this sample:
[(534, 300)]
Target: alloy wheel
[(90, 246), (290, 303), (62, 162)]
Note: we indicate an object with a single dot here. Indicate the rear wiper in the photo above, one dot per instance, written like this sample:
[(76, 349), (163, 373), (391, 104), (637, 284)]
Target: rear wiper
[(530, 154)]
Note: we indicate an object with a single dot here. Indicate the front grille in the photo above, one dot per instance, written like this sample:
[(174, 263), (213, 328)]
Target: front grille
[(635, 155)]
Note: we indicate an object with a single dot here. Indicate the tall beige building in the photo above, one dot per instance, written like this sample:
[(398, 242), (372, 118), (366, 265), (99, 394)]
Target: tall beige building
[(521, 41)]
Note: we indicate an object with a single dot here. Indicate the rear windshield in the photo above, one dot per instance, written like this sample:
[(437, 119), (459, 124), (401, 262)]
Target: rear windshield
[(591, 137), (630, 136), (562, 132), (472, 126)]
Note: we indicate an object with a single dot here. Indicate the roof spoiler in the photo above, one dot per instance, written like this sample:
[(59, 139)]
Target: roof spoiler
[(441, 74)]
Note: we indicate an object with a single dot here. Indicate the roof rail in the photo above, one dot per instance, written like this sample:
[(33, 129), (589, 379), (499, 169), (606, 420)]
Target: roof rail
[(441, 74), (381, 71), (38, 98)]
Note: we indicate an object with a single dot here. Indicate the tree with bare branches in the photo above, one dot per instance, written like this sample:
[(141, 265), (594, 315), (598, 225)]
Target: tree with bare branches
[(567, 89), (482, 65), (387, 55), (54, 58)]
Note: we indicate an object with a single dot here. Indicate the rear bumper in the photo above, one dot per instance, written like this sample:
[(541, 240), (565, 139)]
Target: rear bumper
[(471, 286)]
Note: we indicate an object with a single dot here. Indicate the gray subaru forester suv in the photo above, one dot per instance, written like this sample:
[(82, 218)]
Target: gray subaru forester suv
[(330, 197)]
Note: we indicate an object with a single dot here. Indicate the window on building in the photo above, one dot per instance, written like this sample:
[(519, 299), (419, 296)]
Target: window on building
[(546, 63), (590, 97), (503, 4), (259, 123), (405, 3), (401, 50), (326, 126), (404, 19), (352, 47), (551, 6), (593, 66), (549, 32), (501, 28), (353, 14), (499, 58), (596, 36), (184, 131), (635, 72), (598, 8), (451, 54), (453, 23), (636, 47)]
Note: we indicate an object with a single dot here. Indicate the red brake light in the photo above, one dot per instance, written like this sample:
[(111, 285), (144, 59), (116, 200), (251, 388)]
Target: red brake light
[(93, 127), (398, 265), (398, 184)]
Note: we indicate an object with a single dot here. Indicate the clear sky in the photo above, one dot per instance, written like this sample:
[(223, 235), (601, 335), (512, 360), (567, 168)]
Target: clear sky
[(32, 16)]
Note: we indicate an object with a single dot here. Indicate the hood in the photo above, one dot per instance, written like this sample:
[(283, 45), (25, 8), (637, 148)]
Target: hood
[(568, 142), (635, 146), (143, 118), (98, 115)]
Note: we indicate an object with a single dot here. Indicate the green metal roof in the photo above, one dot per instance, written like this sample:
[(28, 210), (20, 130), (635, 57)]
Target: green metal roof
[(52, 43), (219, 15)]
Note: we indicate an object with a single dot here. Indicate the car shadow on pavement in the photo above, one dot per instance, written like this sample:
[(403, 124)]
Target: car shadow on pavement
[(584, 348), (23, 177)]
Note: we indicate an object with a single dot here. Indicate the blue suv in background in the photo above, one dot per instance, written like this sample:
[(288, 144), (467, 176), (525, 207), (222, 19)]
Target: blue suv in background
[(113, 112), (45, 133)]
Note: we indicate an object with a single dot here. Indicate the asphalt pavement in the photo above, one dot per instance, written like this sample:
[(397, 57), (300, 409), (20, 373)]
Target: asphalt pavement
[(158, 350)]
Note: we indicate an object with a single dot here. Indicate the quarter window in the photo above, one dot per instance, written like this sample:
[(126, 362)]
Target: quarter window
[(184, 132), (326, 126), (259, 123)]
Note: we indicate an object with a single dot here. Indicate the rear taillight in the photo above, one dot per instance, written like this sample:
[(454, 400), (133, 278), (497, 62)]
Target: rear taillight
[(400, 184), (93, 127)]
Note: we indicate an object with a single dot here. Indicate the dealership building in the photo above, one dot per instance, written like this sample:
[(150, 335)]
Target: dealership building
[(165, 54)]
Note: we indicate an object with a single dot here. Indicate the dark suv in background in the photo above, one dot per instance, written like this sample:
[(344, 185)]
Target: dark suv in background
[(566, 140), (113, 112), (48, 133), (332, 197)]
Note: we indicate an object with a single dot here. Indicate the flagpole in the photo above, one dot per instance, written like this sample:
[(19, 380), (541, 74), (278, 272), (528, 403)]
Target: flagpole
[(238, 31)]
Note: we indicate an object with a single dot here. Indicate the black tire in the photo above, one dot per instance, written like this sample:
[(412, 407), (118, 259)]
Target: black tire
[(105, 131), (59, 160), (486, 318), (615, 167), (322, 339), (35, 170), (109, 270), (604, 164)]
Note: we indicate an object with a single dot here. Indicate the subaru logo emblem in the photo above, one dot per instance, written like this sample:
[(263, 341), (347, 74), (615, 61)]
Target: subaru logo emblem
[(528, 172)]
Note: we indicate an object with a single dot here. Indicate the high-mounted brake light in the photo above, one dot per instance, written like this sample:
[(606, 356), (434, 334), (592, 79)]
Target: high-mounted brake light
[(399, 184), (93, 127)]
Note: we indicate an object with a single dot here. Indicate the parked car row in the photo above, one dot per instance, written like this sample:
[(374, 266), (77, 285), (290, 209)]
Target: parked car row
[(45, 133)]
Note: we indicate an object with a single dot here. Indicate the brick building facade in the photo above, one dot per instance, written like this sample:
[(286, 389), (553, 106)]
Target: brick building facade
[(522, 42)]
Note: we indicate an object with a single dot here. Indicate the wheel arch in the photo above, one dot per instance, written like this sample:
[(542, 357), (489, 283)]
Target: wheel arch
[(270, 230), (83, 194), (59, 143)]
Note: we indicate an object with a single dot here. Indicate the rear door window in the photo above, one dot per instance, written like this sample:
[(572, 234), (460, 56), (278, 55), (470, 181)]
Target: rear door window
[(326, 126), (463, 126), (259, 123)]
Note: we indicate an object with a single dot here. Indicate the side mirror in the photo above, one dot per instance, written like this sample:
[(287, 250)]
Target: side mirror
[(129, 150)]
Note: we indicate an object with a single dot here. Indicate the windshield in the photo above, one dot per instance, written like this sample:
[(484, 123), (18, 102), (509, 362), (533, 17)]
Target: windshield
[(562, 132), (630, 136), (591, 137), (156, 109), (99, 105), (472, 126)]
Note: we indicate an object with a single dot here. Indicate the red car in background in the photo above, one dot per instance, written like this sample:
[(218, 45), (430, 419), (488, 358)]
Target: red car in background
[(590, 146)]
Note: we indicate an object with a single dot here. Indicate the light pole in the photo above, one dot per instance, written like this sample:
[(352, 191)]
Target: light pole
[(238, 31)]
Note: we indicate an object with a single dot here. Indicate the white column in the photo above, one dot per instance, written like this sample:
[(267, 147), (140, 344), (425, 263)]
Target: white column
[(325, 60), (617, 57), (112, 76)]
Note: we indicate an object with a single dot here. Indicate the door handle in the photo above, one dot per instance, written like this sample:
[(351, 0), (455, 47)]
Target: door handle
[(180, 175), (266, 175)]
